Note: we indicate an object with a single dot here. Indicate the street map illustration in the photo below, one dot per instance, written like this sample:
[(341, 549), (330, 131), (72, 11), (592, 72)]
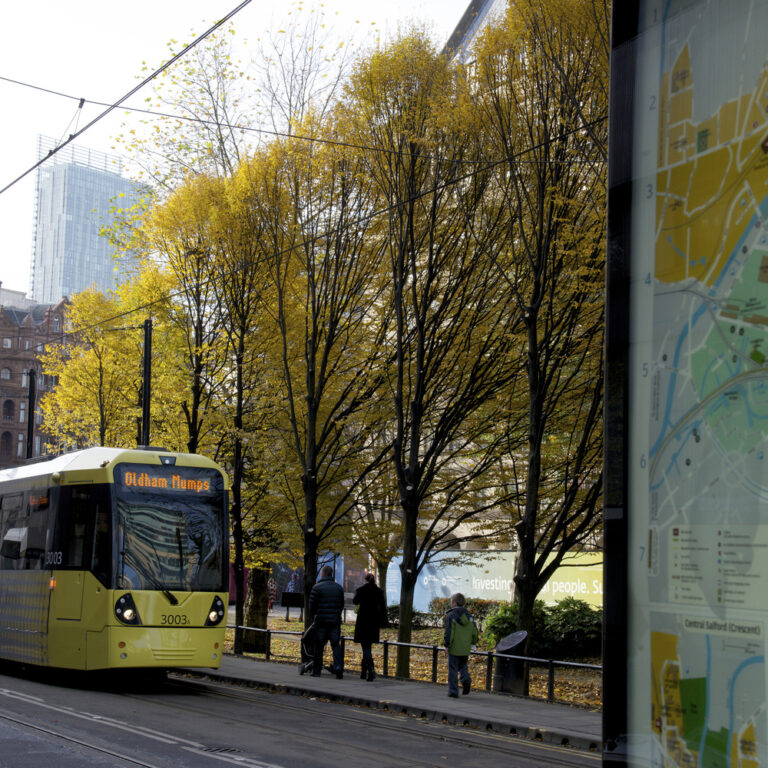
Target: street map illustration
[(707, 375)]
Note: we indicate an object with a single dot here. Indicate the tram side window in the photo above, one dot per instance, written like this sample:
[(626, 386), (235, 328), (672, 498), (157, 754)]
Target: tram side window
[(84, 532), (25, 530), (13, 542), (39, 529), (75, 518), (102, 544)]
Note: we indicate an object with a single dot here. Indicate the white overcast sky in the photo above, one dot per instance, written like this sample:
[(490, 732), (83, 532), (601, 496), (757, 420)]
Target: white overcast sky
[(94, 49)]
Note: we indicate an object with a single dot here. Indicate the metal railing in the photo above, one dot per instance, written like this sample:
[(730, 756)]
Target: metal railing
[(549, 664)]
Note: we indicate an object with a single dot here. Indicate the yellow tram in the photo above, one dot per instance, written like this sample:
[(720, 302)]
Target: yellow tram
[(113, 558)]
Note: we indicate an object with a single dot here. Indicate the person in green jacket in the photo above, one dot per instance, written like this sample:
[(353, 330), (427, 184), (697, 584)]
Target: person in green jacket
[(460, 636)]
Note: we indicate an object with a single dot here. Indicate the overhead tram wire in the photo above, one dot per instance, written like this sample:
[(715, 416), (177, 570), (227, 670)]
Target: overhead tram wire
[(253, 129), (364, 219), (130, 93)]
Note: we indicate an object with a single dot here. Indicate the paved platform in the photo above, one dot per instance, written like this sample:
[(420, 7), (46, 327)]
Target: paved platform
[(532, 719)]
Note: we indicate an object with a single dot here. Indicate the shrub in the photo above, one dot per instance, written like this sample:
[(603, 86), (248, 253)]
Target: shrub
[(480, 609), (504, 622), (574, 629), (440, 605), (569, 629), (421, 620)]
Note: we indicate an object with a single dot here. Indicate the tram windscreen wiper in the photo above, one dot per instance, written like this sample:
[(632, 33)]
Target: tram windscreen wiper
[(181, 555), (127, 554)]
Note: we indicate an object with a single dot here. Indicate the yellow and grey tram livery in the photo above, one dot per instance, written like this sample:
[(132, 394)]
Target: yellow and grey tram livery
[(113, 558)]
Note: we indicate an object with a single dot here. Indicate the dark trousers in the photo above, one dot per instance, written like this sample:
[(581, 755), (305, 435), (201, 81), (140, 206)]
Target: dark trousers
[(457, 669), (323, 635), (367, 664)]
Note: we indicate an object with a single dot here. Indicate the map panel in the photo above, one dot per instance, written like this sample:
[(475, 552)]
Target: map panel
[(707, 707), (699, 412)]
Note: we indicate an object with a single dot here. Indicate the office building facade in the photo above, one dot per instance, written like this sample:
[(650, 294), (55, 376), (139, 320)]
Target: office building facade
[(75, 193)]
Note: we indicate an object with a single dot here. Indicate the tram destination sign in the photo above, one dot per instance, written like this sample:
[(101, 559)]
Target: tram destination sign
[(167, 479)]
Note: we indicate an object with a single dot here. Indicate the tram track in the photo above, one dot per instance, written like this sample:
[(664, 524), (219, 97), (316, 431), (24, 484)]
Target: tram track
[(79, 742), (189, 749), (509, 746), (259, 728)]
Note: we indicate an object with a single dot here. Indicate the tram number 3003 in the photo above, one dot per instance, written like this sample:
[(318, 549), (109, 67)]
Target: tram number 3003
[(175, 619)]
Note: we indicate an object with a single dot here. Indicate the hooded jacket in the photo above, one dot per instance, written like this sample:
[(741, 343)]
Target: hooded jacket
[(460, 631)]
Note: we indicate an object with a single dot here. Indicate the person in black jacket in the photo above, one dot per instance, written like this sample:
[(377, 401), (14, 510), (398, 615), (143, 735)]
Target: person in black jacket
[(371, 615), (326, 602)]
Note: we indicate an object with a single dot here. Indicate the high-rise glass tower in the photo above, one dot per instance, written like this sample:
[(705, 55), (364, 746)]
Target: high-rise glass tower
[(74, 194)]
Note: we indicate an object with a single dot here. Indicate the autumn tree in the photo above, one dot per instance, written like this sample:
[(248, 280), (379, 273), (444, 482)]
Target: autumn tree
[(235, 280), (199, 116), (541, 88), (312, 202), (91, 403), (208, 109), (300, 69), (177, 234), (377, 519), (451, 347), (99, 368)]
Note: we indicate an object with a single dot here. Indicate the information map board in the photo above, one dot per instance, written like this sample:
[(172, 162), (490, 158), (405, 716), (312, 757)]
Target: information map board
[(688, 236)]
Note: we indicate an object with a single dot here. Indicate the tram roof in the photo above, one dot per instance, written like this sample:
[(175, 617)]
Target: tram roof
[(95, 458)]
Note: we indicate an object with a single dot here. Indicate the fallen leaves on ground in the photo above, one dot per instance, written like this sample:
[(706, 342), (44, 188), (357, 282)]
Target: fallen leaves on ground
[(581, 687)]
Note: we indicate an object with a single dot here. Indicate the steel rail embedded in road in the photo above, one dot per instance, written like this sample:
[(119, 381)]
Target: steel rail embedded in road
[(507, 744), (79, 742)]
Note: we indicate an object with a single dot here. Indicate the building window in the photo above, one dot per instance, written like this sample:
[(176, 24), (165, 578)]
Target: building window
[(37, 445), (6, 441), (26, 343), (56, 324), (7, 343), (8, 410), (20, 449), (5, 373), (23, 378), (22, 412)]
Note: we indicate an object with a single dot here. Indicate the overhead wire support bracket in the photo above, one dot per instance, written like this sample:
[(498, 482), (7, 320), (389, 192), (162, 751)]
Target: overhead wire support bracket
[(130, 93)]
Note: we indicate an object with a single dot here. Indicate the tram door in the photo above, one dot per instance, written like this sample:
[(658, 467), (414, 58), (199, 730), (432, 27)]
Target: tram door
[(72, 560)]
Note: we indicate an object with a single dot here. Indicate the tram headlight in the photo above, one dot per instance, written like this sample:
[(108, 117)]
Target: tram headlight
[(217, 612), (125, 610)]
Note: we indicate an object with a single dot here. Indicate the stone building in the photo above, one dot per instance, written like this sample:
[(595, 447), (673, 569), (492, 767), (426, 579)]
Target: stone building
[(25, 330)]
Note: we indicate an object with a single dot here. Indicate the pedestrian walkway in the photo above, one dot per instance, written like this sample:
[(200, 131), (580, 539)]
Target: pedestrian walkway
[(532, 719)]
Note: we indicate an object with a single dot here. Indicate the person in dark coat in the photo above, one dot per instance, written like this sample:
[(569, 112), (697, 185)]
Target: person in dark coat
[(371, 616), (326, 602)]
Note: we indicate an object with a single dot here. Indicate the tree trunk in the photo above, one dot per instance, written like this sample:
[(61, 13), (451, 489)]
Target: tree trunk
[(525, 602), (310, 539), (237, 499), (407, 587), (238, 565), (381, 567), (255, 610)]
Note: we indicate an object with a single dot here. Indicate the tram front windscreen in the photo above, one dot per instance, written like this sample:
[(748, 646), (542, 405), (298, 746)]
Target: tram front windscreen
[(171, 528)]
